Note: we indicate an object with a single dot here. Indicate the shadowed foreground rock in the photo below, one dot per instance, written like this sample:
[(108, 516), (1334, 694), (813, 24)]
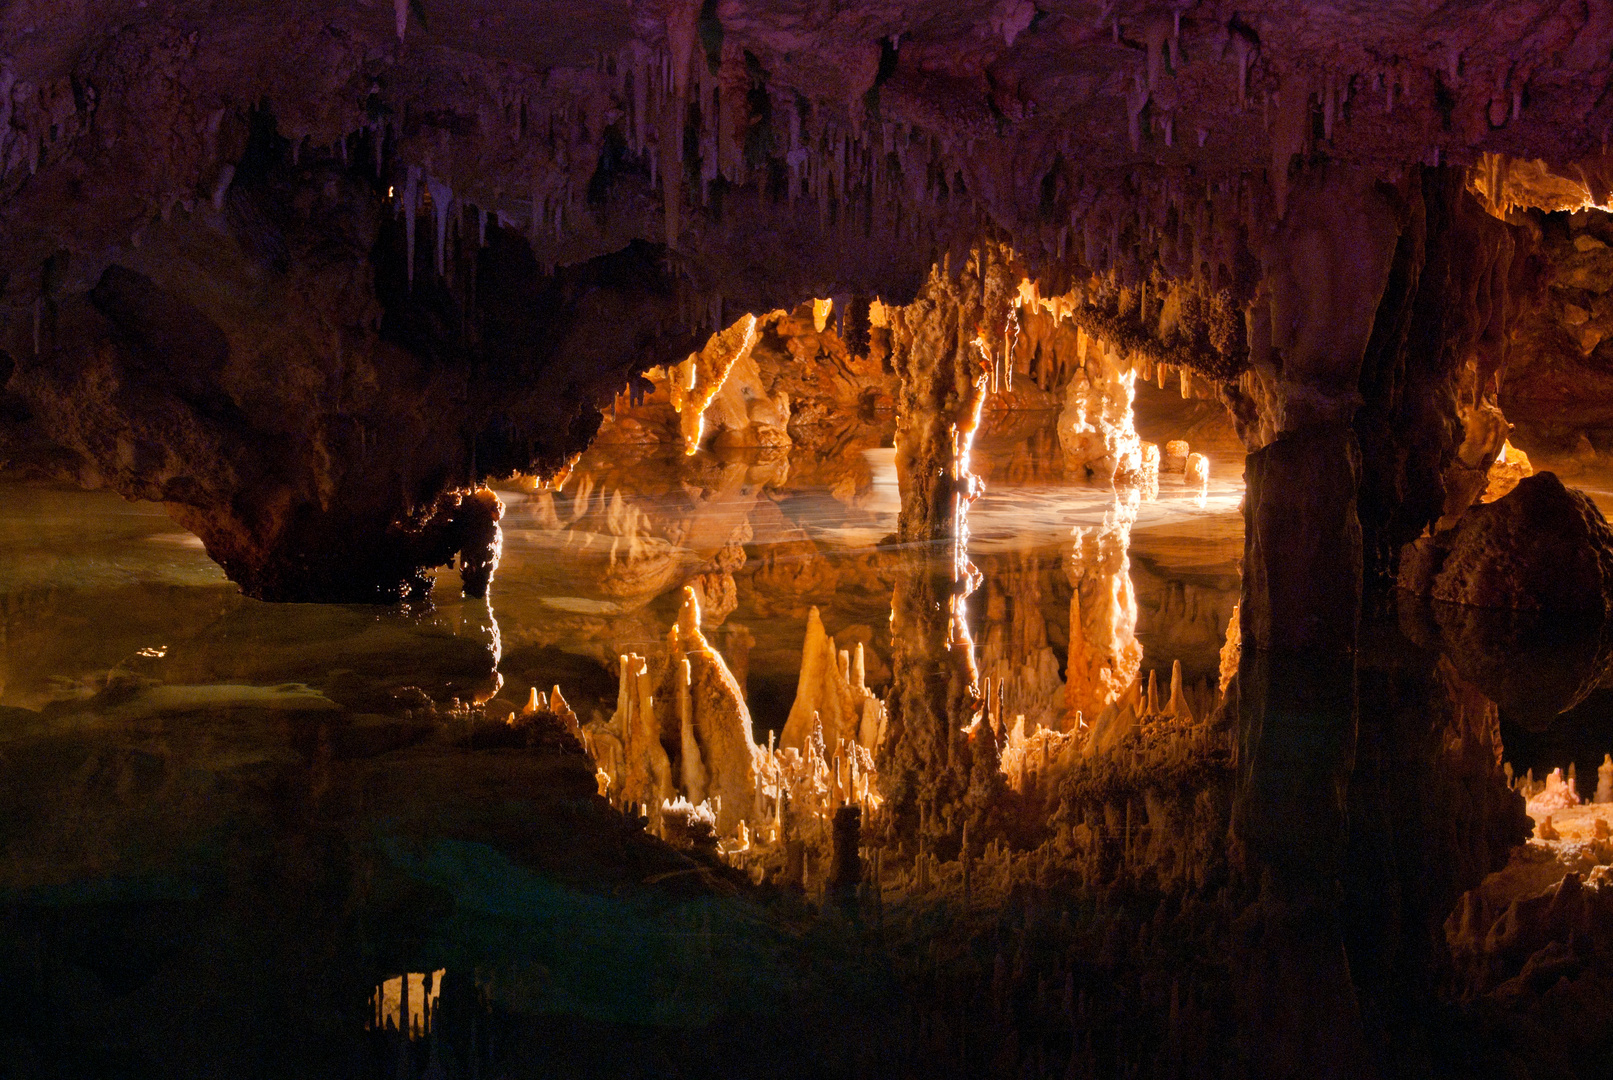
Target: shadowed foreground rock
[(1543, 547)]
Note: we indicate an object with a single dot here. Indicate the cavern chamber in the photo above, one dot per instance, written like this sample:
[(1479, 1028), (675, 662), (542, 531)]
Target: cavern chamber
[(809, 539)]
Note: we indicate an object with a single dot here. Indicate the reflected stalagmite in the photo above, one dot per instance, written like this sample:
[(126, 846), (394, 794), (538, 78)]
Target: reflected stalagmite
[(1104, 654), (1020, 668)]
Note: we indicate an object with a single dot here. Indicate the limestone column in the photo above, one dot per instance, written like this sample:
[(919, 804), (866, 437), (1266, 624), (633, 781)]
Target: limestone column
[(1327, 264)]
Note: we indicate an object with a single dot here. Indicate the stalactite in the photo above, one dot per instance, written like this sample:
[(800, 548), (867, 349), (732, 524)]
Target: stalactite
[(411, 204), (442, 199)]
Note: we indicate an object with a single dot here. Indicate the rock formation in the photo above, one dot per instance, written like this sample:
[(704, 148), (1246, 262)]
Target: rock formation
[(832, 699), (311, 275), (942, 347), (1105, 657), (1543, 547)]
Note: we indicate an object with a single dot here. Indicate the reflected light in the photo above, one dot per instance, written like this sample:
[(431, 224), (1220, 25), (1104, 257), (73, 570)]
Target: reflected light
[(406, 1003)]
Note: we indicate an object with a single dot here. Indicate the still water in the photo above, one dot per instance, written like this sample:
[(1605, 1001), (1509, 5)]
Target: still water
[(93, 587), (228, 826)]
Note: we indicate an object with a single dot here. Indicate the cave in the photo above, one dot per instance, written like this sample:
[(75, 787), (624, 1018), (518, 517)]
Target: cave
[(669, 538)]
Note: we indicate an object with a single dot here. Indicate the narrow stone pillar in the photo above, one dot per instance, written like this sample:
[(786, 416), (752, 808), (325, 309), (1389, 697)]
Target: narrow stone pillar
[(1302, 542)]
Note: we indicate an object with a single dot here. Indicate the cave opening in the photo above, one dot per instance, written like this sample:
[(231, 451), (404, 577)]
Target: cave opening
[(705, 538)]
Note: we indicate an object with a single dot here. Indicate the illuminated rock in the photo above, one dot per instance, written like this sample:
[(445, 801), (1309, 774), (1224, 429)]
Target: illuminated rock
[(926, 763), (831, 692), (1555, 796), (1510, 466), (1174, 459), (1231, 651), (1095, 428), (1196, 472), (718, 758), (1105, 656), (695, 383)]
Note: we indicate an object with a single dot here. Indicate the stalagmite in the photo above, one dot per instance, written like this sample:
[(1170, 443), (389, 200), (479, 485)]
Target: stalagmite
[(1196, 471), (645, 773), (831, 692), (1556, 795), (693, 770), (558, 706), (1174, 458), (1178, 706), (1604, 780)]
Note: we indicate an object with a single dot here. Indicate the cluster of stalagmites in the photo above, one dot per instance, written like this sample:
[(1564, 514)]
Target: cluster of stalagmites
[(1145, 790), (1532, 934)]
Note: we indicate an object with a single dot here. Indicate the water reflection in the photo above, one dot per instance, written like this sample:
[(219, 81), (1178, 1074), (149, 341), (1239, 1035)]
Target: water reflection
[(593, 571), (183, 765), (1534, 665)]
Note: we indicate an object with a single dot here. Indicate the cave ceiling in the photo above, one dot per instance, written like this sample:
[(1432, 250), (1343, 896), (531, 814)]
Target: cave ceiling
[(1042, 110)]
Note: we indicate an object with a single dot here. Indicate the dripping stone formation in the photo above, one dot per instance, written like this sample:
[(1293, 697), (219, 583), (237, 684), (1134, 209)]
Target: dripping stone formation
[(1003, 538)]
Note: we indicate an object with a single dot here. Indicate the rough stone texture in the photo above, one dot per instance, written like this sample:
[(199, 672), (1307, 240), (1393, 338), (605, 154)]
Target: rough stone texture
[(1430, 814), (1302, 543), (1428, 425), (1096, 430), (1559, 381), (268, 372), (1542, 547)]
